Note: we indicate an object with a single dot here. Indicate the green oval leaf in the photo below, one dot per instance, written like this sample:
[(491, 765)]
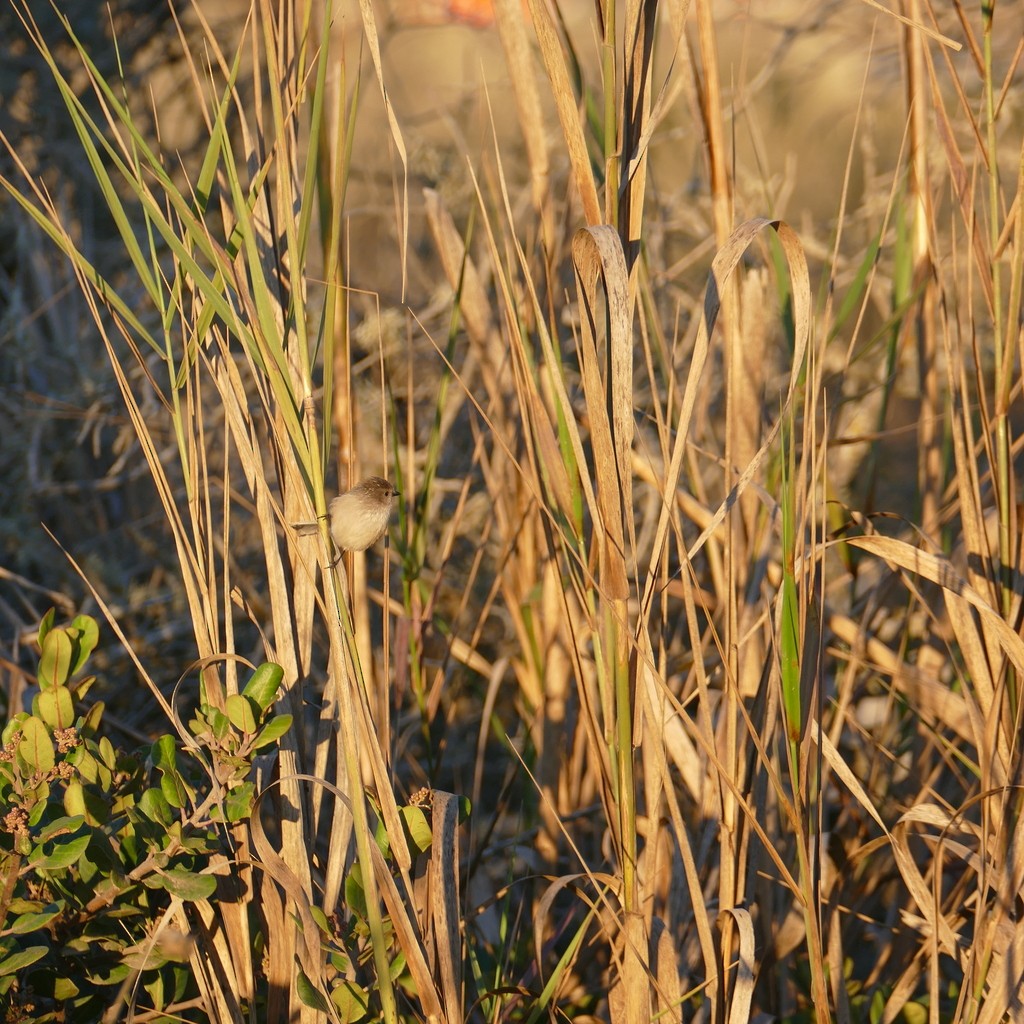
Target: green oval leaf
[(13, 726), (91, 721), (263, 686), (272, 731), (55, 661), (309, 994), (107, 753), (63, 855), (155, 988), (83, 686), (45, 625), (417, 824), (915, 1013), (62, 826), (21, 959), (164, 753), (74, 798), (355, 896), (85, 634), (185, 884), (351, 1001), (87, 765), (35, 746), (64, 988), (238, 803), (173, 788), (242, 711), (26, 923), (154, 805), (55, 707), (37, 798), (220, 724), (80, 801)]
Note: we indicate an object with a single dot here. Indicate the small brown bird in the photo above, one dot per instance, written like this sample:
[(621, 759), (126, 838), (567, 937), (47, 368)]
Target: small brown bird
[(359, 517)]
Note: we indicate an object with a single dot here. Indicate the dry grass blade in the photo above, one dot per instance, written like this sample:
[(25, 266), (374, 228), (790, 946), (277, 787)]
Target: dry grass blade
[(939, 571), (917, 26), (546, 923), (920, 888), (213, 961), (846, 776), (568, 115), (552, 464), (743, 990), (635, 972), (722, 267), (597, 256), (235, 939), (343, 693), (985, 642), (931, 697), (638, 68), (665, 962), (309, 951), (960, 175), (512, 29), (370, 31), (713, 114), (461, 271), (444, 879), (1005, 974), (410, 942)]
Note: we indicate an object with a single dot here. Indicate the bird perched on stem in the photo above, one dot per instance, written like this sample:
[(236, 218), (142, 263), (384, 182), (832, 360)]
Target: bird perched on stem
[(359, 517)]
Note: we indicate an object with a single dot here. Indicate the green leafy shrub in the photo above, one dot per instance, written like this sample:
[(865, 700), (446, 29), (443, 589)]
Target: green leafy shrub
[(102, 851)]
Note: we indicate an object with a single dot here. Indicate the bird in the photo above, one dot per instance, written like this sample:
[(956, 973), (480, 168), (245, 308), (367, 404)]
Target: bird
[(359, 517)]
